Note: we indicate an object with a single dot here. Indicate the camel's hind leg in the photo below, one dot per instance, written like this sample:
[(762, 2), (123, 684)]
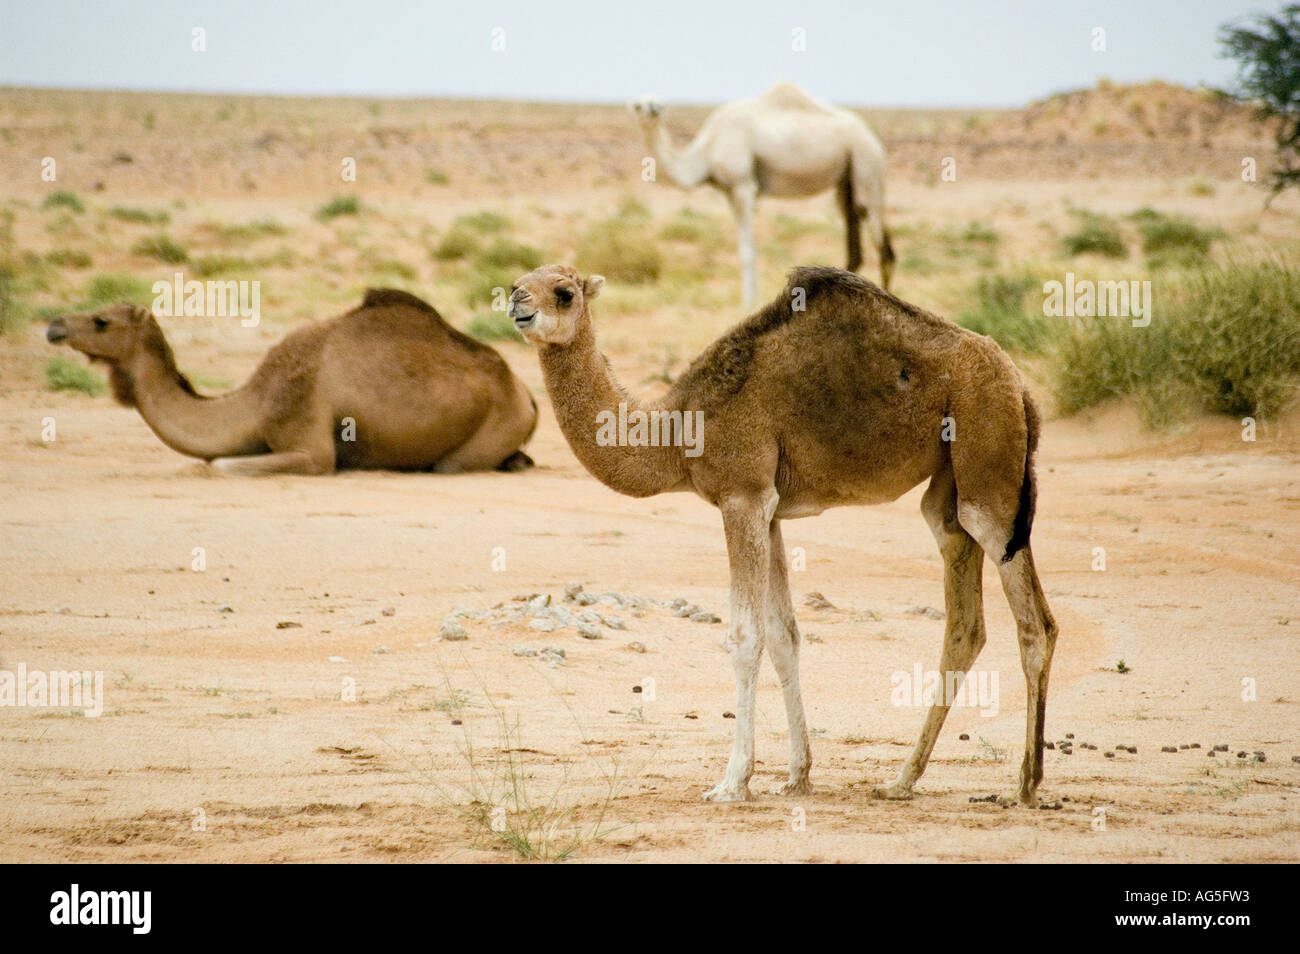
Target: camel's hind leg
[(783, 643), (964, 634), (1035, 628), (257, 465)]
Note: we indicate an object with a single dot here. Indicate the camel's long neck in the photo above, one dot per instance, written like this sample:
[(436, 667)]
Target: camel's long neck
[(587, 403), (684, 167), (225, 426)]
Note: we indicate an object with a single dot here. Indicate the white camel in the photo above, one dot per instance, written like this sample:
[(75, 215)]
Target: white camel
[(782, 143)]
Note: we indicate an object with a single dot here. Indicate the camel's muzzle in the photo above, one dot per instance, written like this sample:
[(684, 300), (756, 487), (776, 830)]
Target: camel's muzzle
[(56, 332), (521, 321)]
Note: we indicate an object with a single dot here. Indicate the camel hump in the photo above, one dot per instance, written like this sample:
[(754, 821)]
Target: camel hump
[(819, 281), (381, 297), (785, 95)]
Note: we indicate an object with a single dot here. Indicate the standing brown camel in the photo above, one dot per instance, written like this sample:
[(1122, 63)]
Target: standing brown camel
[(836, 393), (389, 385)]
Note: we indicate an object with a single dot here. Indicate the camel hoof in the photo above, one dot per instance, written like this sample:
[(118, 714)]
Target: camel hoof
[(895, 792), (516, 462), (728, 793), (792, 787), (201, 468)]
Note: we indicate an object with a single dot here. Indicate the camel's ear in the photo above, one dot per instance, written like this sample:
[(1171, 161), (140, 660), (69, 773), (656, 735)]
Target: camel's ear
[(140, 313), (592, 285)]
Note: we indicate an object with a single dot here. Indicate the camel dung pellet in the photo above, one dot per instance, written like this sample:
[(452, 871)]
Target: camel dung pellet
[(1109, 755), (1049, 745), (636, 688), (692, 715), (1069, 735), (1195, 745), (288, 624), (1259, 757), (1169, 748), (1221, 747), (964, 737), (728, 715), (1241, 755)]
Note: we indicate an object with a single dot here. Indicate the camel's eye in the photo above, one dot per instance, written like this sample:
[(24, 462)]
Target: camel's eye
[(100, 323), (564, 295)]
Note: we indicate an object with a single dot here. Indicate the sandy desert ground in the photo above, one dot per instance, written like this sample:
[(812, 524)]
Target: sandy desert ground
[(294, 700)]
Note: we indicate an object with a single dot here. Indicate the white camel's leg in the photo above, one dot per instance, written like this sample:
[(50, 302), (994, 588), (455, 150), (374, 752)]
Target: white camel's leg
[(292, 462), (746, 521), (873, 195), (743, 199), (1036, 630), (783, 645), (964, 635)]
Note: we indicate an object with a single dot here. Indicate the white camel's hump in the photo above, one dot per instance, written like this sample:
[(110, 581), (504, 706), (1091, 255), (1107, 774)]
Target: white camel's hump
[(785, 95)]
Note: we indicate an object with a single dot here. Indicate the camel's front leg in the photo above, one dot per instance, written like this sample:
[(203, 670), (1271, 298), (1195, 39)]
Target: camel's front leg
[(743, 200), (291, 462), (783, 644), (745, 521)]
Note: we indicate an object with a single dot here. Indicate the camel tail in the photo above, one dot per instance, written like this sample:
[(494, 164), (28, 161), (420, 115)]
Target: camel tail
[(1024, 521), (852, 221)]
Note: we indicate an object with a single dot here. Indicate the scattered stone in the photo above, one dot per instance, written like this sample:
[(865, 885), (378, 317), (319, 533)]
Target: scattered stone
[(614, 622), (525, 651), (545, 625), (965, 737), (555, 651), (677, 603), (388, 611), (452, 631), (704, 616), (571, 591), (589, 632), (611, 599), (815, 600), (552, 655), (336, 659), (288, 624), (929, 612), (1171, 748), (368, 621), (865, 616), (584, 599), (500, 624), (455, 722), (1049, 807), (1259, 757), (636, 647), (225, 609), (380, 651), (692, 715), (540, 602), (728, 715), (687, 611)]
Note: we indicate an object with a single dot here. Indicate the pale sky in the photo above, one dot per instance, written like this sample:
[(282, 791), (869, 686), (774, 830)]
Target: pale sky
[(918, 53)]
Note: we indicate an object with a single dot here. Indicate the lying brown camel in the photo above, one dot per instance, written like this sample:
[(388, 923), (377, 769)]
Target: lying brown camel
[(389, 385), (836, 393)]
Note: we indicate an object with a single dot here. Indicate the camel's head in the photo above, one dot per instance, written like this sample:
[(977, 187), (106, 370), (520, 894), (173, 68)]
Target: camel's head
[(548, 303), (647, 107), (108, 334)]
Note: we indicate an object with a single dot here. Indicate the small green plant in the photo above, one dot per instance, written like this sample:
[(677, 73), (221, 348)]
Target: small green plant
[(160, 247), (436, 177), (1122, 667), (492, 326), (485, 222), (339, 205), (992, 751), (1096, 235), (127, 213), (620, 253), (113, 287), (62, 374), (1175, 239), (64, 200), (505, 253), (69, 258), (205, 266), (459, 242)]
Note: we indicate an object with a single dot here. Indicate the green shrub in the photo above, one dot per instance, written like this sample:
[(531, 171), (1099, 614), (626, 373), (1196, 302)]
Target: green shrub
[(1097, 235), (620, 253), (483, 287), (62, 374), (205, 266), (160, 247), (114, 287), (68, 258), (493, 326), (484, 221), (1222, 338), (143, 216), (460, 242), (1175, 239), (339, 205), (63, 200), (1001, 313), (436, 177), (505, 253)]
